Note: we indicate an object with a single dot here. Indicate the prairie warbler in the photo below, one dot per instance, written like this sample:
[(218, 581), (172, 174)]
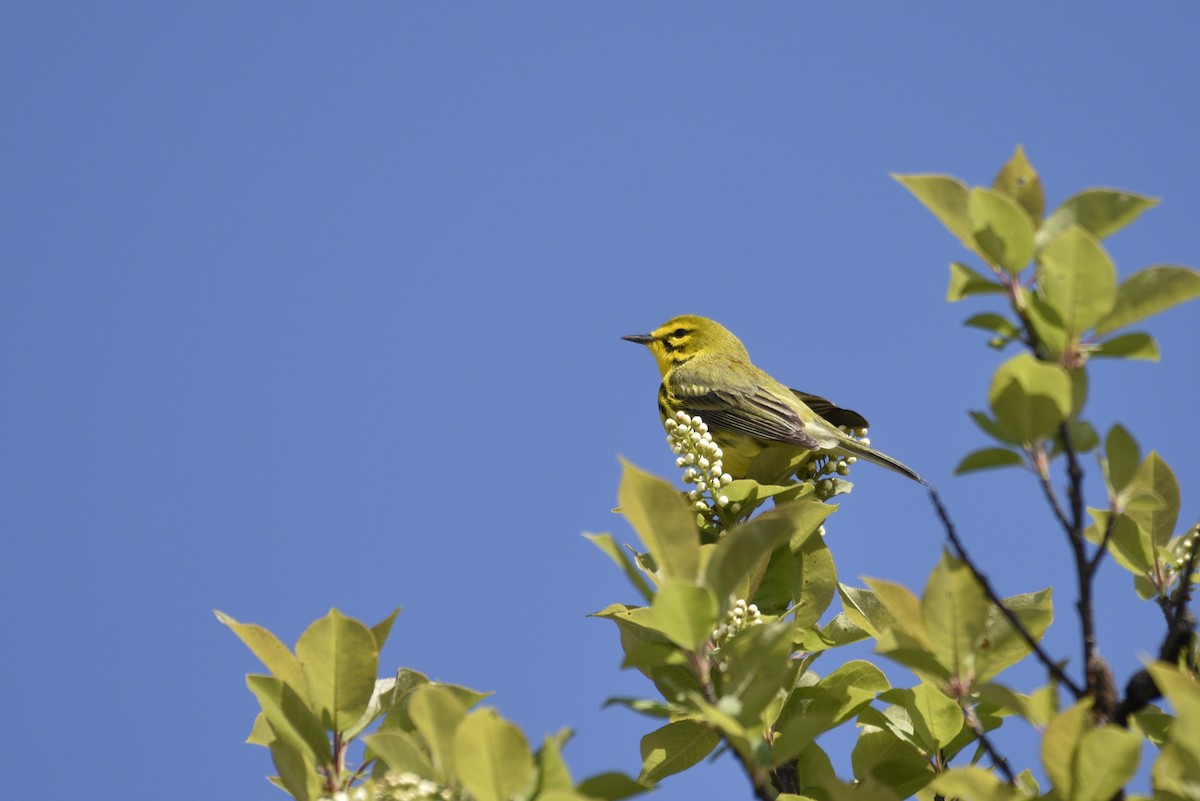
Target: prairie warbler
[(706, 371)]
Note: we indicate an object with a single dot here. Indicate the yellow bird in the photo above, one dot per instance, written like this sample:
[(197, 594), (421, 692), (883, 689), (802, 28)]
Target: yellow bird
[(706, 371)]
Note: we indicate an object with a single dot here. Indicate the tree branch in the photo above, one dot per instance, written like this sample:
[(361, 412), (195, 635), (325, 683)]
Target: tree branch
[(990, 592)]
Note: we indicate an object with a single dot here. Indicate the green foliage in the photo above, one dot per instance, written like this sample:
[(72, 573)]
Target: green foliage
[(739, 611), (751, 683), (428, 741)]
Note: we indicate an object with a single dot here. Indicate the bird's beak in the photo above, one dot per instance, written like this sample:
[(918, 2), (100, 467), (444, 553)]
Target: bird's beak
[(641, 339)]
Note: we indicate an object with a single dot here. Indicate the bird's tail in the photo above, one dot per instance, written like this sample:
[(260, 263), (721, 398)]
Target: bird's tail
[(855, 448)]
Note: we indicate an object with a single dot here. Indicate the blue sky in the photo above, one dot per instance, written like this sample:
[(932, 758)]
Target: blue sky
[(312, 305)]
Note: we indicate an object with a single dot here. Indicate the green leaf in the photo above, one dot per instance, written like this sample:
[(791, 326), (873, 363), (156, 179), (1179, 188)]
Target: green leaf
[(260, 732), (1100, 211), (553, 773), (989, 321), (757, 667), (818, 582), (1030, 398), (1129, 346), (897, 765), (748, 545), (1107, 759), (1129, 543), (1000, 646), (1060, 743), (964, 282), (436, 712), (383, 628), (406, 682), (720, 717), (1019, 180), (674, 748), (398, 752), (274, 655), (946, 197), (988, 458), (611, 786), (843, 692), (340, 661), (956, 614), (1002, 230), (993, 428), (297, 775), (1184, 694), (292, 722), (1077, 278), (492, 757), (1049, 329), (684, 614), (935, 719), (864, 610), (608, 545), (663, 521), (933, 713), (973, 783), (1148, 292), (382, 697), (1083, 436), (1122, 457), (813, 709), (1154, 477), (838, 631), (904, 609)]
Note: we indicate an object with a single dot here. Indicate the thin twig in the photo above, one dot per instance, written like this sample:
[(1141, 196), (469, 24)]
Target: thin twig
[(999, 761), (1083, 572), (990, 592), (1052, 499)]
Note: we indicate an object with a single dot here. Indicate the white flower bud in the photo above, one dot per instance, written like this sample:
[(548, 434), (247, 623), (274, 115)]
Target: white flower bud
[(700, 506), (722, 501), (681, 461), (702, 427), (703, 463), (696, 421), (735, 508), (726, 479), (864, 440)]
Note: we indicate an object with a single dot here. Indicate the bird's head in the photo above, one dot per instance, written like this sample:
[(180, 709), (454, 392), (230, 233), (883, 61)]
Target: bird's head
[(685, 337)]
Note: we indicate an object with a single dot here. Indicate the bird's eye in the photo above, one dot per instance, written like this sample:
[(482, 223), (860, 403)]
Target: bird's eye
[(679, 333)]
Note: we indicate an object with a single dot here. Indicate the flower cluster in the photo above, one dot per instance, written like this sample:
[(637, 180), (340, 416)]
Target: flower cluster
[(740, 616), (409, 787), (1184, 547), (357, 794), (824, 469), (701, 459)]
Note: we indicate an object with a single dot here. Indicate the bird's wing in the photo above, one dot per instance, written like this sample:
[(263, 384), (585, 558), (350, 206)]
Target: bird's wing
[(834, 414), (747, 409)]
